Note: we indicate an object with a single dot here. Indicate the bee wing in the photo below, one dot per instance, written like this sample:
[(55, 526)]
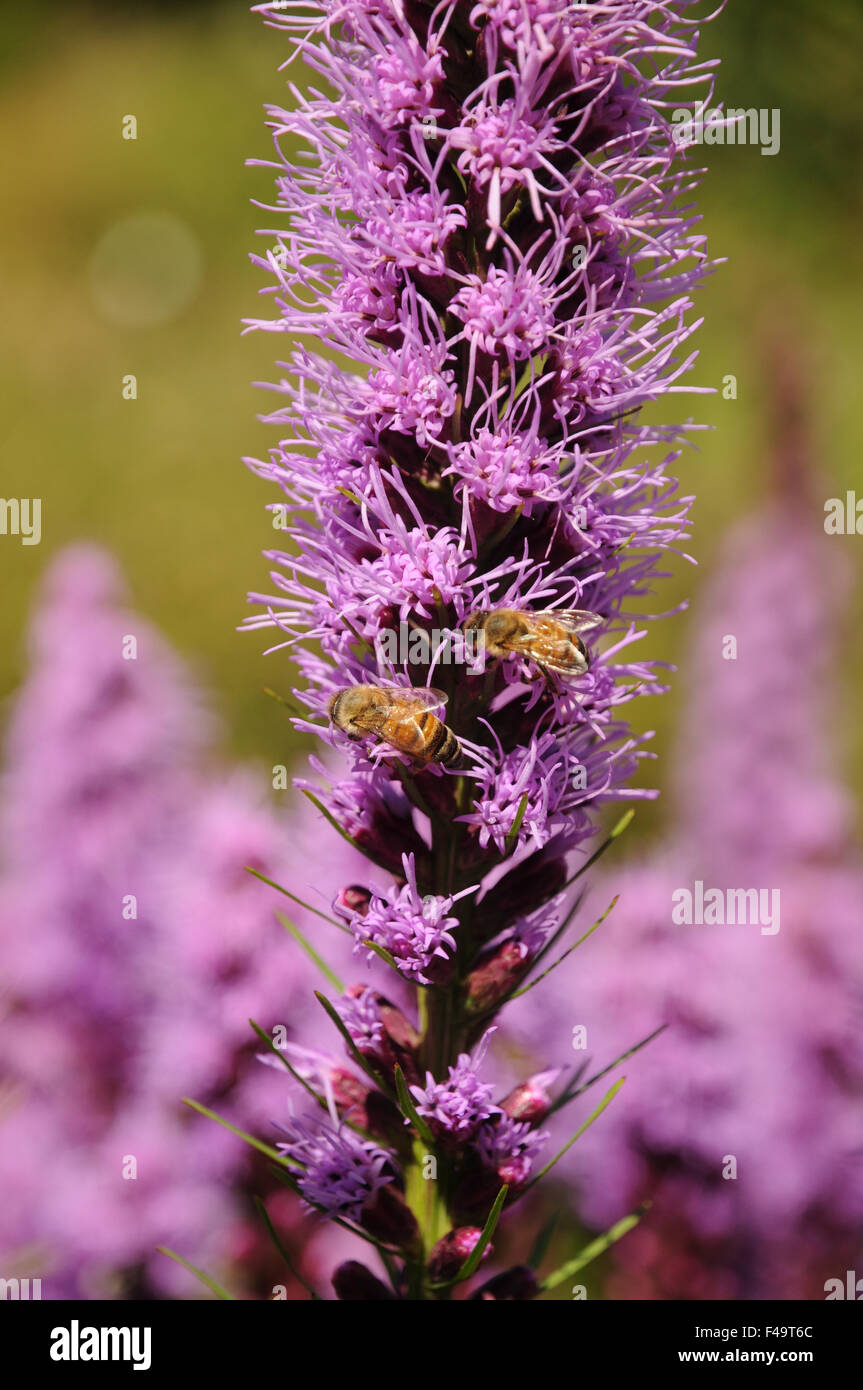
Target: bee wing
[(413, 699), (576, 619), (423, 697), (548, 663)]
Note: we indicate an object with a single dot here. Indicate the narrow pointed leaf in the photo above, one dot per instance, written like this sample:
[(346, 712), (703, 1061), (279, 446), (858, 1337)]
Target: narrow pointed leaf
[(240, 1133), (568, 952), (277, 1051), (198, 1273), (542, 1242), (603, 1105), (593, 1250), (571, 1094), (407, 1107), (613, 835), (556, 935), (274, 1237), (310, 951), (358, 1057), (344, 834), (282, 700), (516, 825), (471, 1264), (383, 953), (294, 899), (292, 1183)]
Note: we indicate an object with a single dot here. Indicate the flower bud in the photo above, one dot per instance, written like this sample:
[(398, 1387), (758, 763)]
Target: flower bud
[(530, 1100), (493, 979), (452, 1250), (354, 1283), (381, 1032), (514, 1285), (388, 1218), (351, 900), (398, 1029)]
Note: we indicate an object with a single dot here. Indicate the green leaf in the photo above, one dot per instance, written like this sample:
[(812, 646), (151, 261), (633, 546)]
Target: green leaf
[(294, 899), (344, 834), (542, 1242), (363, 641), (273, 1234), (570, 1094), (310, 951), (240, 1133), (407, 1107), (516, 825), (471, 1264), (351, 1045), (288, 704), (277, 1051), (603, 1105), (592, 1251), (198, 1273), (568, 952), (613, 835), (555, 937), (383, 953)]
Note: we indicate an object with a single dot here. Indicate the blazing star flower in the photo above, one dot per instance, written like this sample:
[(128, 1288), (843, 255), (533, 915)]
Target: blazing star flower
[(340, 1172), (509, 1147), (414, 930), (486, 264), (457, 1106)]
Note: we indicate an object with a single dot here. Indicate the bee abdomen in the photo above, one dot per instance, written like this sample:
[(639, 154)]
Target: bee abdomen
[(449, 753)]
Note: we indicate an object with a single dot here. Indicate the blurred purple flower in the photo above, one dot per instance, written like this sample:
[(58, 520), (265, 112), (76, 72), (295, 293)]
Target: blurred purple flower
[(133, 948), (761, 1058)]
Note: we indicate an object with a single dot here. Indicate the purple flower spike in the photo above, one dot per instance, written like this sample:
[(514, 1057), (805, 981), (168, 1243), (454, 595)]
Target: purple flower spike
[(486, 250)]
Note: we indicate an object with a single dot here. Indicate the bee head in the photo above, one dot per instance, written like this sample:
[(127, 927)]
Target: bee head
[(475, 620)]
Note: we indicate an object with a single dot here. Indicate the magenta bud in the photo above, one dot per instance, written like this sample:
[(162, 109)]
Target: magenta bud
[(514, 1285), (398, 1029), (495, 977), (351, 900), (451, 1251), (388, 1218), (348, 1090), (354, 1283), (530, 1100)]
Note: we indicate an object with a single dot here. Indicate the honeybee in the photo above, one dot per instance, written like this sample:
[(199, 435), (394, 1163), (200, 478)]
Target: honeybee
[(549, 637), (400, 715)]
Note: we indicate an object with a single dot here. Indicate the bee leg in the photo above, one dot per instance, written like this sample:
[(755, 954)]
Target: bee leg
[(551, 680)]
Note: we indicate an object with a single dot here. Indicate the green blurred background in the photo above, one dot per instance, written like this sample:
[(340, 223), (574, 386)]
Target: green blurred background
[(159, 479)]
